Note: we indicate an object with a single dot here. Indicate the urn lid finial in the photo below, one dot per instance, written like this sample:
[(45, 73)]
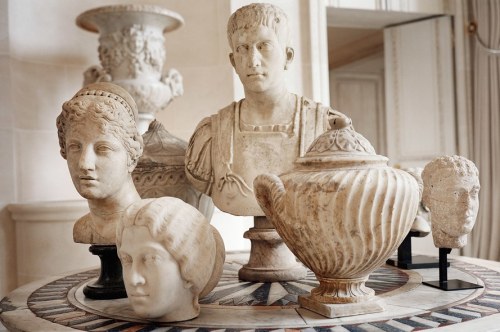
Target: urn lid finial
[(341, 143), (339, 122)]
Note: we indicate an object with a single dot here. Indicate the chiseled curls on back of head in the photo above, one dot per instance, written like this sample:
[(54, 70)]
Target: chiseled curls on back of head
[(111, 107), (256, 14)]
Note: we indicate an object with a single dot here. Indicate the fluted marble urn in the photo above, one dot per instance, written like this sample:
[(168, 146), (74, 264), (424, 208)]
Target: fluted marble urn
[(342, 211)]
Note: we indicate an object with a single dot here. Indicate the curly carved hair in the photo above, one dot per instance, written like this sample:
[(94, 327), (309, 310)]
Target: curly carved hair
[(111, 107), (444, 167), (184, 232), (256, 14)]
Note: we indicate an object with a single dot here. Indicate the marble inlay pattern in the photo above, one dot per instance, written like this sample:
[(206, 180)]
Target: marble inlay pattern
[(273, 306), (233, 292)]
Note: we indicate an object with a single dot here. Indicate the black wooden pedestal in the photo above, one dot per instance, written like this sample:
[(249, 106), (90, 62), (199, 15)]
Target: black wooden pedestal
[(110, 284)]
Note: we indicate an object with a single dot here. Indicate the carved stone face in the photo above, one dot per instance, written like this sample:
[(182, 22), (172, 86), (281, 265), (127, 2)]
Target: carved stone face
[(454, 204), (97, 161), (259, 58), (136, 41), (152, 278)]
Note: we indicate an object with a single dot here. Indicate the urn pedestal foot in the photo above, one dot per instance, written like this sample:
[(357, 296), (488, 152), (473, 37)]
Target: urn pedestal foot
[(340, 310), (270, 259), (341, 297), (109, 285)]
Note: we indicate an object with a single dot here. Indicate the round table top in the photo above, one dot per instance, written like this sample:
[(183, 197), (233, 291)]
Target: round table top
[(58, 304)]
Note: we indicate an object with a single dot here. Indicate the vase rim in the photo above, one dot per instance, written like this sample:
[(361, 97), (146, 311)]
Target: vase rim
[(171, 19)]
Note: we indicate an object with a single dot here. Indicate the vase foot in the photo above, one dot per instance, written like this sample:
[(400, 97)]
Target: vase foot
[(340, 310)]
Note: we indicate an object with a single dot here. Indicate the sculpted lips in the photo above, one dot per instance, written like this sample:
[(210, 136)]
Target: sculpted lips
[(86, 177), (255, 74)]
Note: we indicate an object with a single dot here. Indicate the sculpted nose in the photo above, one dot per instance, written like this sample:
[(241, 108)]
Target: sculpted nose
[(471, 202), (87, 159), (254, 56), (136, 278)]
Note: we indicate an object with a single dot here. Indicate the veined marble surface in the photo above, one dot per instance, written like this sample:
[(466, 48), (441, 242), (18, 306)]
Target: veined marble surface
[(57, 304)]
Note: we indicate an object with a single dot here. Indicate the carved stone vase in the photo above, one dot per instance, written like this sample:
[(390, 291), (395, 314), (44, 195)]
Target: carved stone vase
[(342, 211), (132, 54)]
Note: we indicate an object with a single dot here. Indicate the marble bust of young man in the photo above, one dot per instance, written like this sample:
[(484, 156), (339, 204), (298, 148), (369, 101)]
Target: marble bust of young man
[(171, 257), (451, 192), (264, 132), (99, 139)]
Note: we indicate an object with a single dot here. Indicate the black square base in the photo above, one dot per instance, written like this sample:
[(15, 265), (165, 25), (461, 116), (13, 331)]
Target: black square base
[(417, 262), (451, 285)]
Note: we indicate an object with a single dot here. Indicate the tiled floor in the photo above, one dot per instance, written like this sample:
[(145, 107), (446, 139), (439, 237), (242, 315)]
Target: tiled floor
[(241, 305)]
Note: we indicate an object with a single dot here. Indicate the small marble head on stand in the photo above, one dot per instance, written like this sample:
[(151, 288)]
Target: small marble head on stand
[(171, 257), (451, 192), (99, 139)]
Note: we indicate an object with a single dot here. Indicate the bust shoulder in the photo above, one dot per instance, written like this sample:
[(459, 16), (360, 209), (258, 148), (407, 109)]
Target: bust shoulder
[(198, 159), (82, 230), (310, 104)]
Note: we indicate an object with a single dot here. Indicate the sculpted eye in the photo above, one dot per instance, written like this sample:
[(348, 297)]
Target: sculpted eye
[(152, 259), (73, 147), (266, 46), (242, 49), (103, 148)]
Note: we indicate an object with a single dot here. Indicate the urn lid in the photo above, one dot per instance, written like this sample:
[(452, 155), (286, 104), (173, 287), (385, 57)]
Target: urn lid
[(161, 147), (341, 145)]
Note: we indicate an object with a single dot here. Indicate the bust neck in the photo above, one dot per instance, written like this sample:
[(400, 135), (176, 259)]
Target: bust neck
[(268, 108), (106, 212)]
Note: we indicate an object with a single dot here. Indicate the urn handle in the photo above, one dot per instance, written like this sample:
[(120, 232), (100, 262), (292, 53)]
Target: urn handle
[(269, 192)]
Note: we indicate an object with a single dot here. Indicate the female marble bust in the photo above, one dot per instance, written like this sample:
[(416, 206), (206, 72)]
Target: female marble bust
[(99, 139), (451, 189), (171, 256)]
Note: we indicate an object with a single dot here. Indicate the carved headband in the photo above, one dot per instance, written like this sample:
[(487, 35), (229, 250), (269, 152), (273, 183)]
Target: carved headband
[(111, 95)]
